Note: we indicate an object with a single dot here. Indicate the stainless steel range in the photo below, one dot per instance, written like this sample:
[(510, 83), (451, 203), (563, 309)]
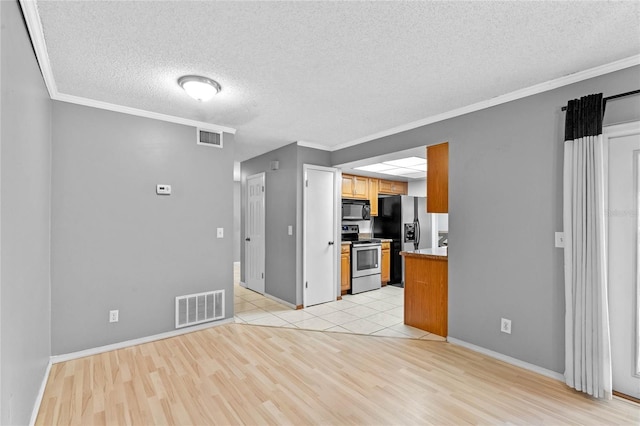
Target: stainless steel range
[(366, 260)]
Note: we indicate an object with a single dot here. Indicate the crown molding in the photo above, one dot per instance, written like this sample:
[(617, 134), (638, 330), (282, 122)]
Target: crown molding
[(34, 26), (141, 113), (512, 96), (314, 145)]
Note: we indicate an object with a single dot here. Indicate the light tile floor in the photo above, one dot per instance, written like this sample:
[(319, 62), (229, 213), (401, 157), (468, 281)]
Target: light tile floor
[(377, 312)]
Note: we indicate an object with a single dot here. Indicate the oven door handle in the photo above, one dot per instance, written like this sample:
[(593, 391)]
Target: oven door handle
[(357, 246)]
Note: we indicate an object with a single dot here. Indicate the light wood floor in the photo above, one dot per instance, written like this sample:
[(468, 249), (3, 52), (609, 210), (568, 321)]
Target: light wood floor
[(243, 374)]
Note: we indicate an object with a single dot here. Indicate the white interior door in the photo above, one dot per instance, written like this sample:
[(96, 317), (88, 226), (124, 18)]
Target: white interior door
[(624, 228), (254, 234), (320, 235)]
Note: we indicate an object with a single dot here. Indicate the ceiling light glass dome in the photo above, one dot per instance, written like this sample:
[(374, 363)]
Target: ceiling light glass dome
[(199, 88)]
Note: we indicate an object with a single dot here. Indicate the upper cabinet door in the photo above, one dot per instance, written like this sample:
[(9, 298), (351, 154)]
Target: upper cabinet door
[(347, 186), (355, 187), (392, 187), (361, 187), (438, 178), (365, 188)]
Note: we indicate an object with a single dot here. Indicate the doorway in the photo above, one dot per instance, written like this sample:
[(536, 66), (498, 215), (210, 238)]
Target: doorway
[(624, 236), (255, 230), (320, 235)]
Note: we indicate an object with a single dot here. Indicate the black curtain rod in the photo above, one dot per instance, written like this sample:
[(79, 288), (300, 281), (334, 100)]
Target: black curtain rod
[(621, 95)]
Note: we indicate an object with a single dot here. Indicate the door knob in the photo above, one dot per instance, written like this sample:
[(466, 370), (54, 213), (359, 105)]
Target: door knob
[(247, 239), (330, 243)]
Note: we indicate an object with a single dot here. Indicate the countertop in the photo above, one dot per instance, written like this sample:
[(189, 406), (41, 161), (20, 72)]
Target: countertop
[(439, 253)]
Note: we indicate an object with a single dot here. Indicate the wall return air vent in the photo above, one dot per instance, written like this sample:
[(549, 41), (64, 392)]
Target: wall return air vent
[(198, 308), (209, 138)]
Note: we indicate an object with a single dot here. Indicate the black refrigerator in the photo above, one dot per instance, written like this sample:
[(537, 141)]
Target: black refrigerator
[(404, 220)]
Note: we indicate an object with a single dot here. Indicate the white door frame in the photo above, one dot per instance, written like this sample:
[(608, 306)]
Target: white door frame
[(263, 177), (336, 220)]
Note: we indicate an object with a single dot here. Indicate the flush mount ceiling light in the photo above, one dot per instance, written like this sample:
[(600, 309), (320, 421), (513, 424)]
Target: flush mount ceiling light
[(199, 88)]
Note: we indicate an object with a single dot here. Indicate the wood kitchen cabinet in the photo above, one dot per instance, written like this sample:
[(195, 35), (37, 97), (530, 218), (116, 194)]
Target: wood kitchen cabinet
[(426, 293), (438, 178), (355, 187), (347, 186), (345, 268), (373, 196), (365, 188), (392, 187), (386, 262)]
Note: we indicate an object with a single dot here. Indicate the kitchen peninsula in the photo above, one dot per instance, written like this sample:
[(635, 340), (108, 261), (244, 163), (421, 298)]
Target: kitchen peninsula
[(426, 289)]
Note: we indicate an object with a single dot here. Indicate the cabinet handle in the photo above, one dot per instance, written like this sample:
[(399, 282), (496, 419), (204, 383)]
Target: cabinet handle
[(247, 239), (330, 243)]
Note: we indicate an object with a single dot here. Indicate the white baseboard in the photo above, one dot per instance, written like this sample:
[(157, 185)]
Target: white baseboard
[(120, 345), (508, 359), (43, 385), (291, 305)]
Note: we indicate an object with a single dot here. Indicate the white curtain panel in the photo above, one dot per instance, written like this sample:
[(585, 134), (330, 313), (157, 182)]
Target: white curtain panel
[(587, 342)]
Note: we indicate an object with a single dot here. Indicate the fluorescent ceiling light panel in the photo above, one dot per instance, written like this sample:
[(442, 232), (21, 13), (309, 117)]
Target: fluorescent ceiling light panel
[(378, 167), (413, 167), (417, 175), (421, 167), (400, 171), (407, 162)]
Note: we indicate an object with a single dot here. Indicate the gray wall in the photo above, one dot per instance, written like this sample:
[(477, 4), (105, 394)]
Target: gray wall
[(118, 245), (283, 257), (417, 188), (505, 203), (25, 177), (280, 212)]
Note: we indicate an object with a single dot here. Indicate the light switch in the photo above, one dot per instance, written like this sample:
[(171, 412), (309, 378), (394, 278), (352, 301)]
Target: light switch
[(560, 239), (290, 230), (220, 232), (163, 189)]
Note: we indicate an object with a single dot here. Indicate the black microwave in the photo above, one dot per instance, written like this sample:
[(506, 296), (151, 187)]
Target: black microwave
[(356, 210)]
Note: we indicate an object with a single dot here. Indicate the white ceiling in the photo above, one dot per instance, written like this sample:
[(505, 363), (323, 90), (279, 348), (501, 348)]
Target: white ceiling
[(326, 73)]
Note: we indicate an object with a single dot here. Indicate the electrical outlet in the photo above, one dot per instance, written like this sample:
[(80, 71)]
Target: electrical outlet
[(505, 325), (113, 316)]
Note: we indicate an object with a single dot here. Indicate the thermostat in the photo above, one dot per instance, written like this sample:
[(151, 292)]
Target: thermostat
[(163, 189)]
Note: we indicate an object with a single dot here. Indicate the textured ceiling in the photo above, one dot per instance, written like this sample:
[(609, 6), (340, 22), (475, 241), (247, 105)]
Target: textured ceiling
[(325, 72)]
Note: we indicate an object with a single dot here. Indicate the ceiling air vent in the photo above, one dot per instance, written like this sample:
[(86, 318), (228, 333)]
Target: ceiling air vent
[(209, 138)]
